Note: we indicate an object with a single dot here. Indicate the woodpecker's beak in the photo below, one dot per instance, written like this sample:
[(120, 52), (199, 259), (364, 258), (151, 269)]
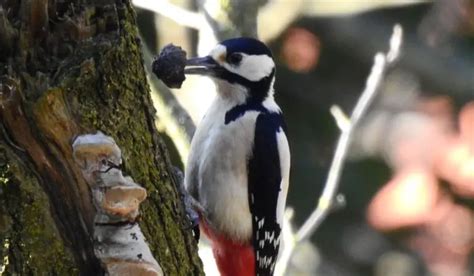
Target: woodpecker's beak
[(206, 66)]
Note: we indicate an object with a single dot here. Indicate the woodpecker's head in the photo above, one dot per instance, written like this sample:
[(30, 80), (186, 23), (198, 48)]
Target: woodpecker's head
[(239, 65)]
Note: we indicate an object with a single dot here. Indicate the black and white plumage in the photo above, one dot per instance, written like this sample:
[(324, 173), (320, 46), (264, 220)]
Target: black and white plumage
[(266, 176), (238, 167)]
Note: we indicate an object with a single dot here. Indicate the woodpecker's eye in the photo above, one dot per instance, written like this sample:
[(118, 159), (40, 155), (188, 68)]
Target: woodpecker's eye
[(234, 58)]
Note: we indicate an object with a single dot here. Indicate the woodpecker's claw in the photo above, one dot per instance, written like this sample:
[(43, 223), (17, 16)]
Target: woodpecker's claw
[(191, 206), (193, 217)]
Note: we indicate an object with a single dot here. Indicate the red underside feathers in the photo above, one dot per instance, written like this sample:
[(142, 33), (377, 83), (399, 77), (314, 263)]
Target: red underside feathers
[(232, 258)]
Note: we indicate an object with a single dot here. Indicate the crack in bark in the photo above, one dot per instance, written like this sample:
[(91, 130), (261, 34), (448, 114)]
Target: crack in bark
[(52, 175)]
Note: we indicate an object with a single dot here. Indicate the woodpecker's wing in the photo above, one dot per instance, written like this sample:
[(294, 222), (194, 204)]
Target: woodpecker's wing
[(268, 173)]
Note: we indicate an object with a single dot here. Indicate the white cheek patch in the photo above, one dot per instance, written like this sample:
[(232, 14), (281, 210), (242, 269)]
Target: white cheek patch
[(253, 67)]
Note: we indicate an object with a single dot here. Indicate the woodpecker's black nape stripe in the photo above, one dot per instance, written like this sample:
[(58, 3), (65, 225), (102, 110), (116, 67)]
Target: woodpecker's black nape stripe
[(258, 90), (264, 186), (255, 100)]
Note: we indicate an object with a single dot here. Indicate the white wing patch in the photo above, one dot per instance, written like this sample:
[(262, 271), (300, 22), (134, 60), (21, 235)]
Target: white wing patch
[(284, 150)]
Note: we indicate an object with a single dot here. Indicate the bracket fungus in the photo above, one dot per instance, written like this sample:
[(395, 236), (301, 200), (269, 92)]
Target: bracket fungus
[(119, 242)]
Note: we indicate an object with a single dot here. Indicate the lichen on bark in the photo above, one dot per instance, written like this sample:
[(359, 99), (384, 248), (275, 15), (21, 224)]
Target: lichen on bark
[(30, 242)]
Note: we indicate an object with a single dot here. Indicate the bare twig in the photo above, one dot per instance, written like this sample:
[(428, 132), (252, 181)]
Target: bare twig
[(328, 201), (374, 80), (332, 182), (178, 14), (342, 120)]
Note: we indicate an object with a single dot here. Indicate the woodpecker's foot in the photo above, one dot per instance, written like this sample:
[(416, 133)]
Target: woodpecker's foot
[(191, 206)]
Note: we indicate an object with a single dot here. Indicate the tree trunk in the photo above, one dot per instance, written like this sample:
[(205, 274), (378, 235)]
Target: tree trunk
[(69, 68)]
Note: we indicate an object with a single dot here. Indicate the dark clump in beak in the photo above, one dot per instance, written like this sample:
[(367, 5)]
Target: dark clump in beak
[(171, 66)]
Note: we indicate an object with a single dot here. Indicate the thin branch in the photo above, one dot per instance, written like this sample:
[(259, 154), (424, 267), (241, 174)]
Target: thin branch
[(342, 120), (332, 182), (328, 199), (178, 14), (374, 80)]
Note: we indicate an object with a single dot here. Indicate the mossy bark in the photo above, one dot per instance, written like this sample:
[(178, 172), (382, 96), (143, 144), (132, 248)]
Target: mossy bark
[(69, 68)]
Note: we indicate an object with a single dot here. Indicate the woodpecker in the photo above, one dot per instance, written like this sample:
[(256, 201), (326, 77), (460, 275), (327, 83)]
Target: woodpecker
[(239, 163)]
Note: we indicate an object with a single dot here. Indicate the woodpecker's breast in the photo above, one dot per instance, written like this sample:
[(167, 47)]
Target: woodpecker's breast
[(216, 173)]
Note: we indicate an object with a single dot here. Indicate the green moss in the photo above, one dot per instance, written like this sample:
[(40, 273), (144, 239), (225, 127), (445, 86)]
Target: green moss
[(78, 85), (109, 93), (28, 234)]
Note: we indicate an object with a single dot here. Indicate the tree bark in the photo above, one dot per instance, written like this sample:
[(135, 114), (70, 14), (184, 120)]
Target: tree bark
[(69, 68)]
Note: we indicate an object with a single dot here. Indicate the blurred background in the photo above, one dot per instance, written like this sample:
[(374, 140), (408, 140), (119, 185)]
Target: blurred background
[(409, 181)]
